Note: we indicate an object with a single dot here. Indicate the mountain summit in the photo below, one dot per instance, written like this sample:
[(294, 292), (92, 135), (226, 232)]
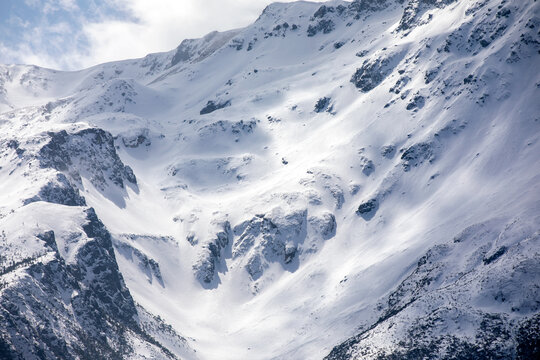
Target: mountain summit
[(347, 180)]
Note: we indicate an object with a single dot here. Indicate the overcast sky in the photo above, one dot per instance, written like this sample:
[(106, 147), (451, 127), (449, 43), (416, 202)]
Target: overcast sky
[(73, 34)]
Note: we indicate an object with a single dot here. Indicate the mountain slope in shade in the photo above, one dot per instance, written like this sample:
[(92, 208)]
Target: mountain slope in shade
[(351, 180)]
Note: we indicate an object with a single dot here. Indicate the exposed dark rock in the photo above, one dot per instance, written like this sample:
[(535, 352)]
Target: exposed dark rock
[(362, 53), (136, 138), (415, 9), (528, 339), (368, 209), (212, 106), (183, 52), (358, 7), (194, 50), (368, 167), (416, 102), (416, 155), (83, 296), (146, 265), (90, 153), (500, 252), (325, 225), (50, 240), (323, 10), (59, 191), (431, 74), (322, 104), (324, 25), (469, 79), (374, 71), (400, 84), (237, 44), (233, 130), (212, 258)]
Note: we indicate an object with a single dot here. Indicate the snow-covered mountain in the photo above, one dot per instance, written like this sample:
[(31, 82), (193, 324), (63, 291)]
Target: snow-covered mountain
[(351, 180)]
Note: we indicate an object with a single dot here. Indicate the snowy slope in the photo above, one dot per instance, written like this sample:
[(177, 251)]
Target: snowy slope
[(348, 180)]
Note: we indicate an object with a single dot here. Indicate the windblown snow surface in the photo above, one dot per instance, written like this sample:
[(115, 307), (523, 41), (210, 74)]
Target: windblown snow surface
[(351, 180)]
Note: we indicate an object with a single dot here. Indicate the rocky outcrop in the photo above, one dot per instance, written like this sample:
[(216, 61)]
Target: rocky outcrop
[(417, 154), (368, 209), (212, 106), (452, 287), (325, 26), (88, 153), (323, 104), (415, 9), (374, 70), (417, 102), (58, 191), (270, 238), (82, 295), (358, 7), (212, 258)]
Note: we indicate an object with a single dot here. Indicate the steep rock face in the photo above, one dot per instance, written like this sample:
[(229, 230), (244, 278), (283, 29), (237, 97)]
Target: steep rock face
[(62, 294), (59, 191), (87, 153), (272, 238), (212, 259), (451, 292), (80, 293)]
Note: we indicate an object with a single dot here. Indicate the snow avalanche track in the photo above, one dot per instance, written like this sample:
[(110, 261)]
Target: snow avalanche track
[(352, 180)]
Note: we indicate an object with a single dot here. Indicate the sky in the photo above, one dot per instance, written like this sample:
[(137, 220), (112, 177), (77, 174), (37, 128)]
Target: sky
[(75, 34)]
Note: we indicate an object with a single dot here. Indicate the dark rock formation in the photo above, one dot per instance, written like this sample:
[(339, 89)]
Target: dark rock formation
[(212, 106), (374, 71), (415, 9), (83, 296), (324, 25), (368, 209), (417, 154), (416, 102), (322, 104), (359, 7), (87, 153), (59, 191), (212, 259), (146, 265)]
